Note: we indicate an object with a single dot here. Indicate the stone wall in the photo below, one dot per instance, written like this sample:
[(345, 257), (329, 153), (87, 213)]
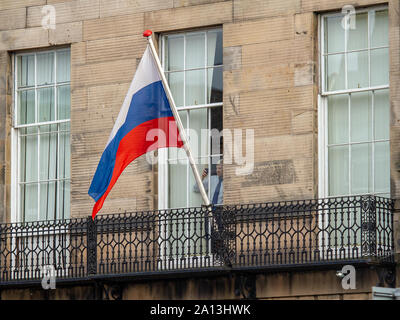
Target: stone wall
[(297, 285), (271, 69)]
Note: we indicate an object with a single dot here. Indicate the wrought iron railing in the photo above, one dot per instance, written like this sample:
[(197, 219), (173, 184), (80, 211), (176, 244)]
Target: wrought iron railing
[(264, 235)]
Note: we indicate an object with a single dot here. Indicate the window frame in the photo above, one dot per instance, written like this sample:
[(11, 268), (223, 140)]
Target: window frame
[(16, 214), (163, 159), (323, 94)]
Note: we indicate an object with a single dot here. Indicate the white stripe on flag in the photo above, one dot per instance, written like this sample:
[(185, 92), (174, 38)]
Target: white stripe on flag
[(146, 73)]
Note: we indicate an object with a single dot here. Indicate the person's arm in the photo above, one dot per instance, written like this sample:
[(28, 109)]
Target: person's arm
[(204, 178)]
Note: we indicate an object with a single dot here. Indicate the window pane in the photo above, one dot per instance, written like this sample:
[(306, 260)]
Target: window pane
[(335, 75), (174, 53), (26, 107), (22, 159), (64, 199), (63, 102), (357, 69), (361, 116), (216, 126), (214, 85), (379, 28), (48, 194), (48, 156), (63, 66), (29, 202), (382, 114), (45, 68), (358, 37), (382, 167), (338, 158), (338, 119), (334, 34), (26, 70), (177, 181), (175, 82), (64, 156), (214, 48), (195, 199), (361, 168), (195, 87), (45, 101), (195, 51), (198, 134), (179, 153), (214, 161), (28, 158), (379, 67)]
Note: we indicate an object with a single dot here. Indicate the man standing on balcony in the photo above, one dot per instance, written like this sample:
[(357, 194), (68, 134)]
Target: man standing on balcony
[(221, 237), (216, 184)]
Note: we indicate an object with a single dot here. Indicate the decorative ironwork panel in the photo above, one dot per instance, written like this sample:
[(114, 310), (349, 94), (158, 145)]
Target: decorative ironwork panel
[(368, 226), (91, 246)]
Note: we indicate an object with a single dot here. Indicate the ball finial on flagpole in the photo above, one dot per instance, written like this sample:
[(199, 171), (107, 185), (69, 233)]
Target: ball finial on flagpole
[(147, 33)]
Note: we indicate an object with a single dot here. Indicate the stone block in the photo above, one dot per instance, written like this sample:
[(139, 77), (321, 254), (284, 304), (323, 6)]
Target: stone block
[(71, 11), (13, 4), (115, 48), (66, 33), (257, 9), (112, 27), (188, 17), (265, 30), (12, 19), (116, 71), (24, 39), (122, 7)]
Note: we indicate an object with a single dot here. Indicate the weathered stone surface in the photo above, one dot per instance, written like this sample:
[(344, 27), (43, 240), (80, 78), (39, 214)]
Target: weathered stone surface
[(115, 48), (303, 74), (122, 7), (12, 4), (66, 33), (112, 27), (294, 285), (323, 5), (268, 173), (186, 3), (303, 121), (12, 19), (78, 53), (115, 71), (188, 17), (71, 11), (24, 39), (232, 58), (246, 10), (265, 30)]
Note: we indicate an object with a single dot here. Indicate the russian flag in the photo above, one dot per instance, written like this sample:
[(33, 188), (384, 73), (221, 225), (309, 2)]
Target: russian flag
[(145, 107)]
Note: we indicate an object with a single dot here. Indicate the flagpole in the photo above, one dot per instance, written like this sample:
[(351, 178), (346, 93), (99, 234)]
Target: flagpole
[(182, 133)]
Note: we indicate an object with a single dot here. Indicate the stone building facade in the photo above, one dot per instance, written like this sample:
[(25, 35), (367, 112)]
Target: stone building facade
[(272, 83)]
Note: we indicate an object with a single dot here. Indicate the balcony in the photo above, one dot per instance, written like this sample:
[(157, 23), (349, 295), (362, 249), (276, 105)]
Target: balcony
[(258, 237)]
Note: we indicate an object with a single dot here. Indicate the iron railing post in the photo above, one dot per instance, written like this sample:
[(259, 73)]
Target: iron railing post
[(91, 234), (368, 226)]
